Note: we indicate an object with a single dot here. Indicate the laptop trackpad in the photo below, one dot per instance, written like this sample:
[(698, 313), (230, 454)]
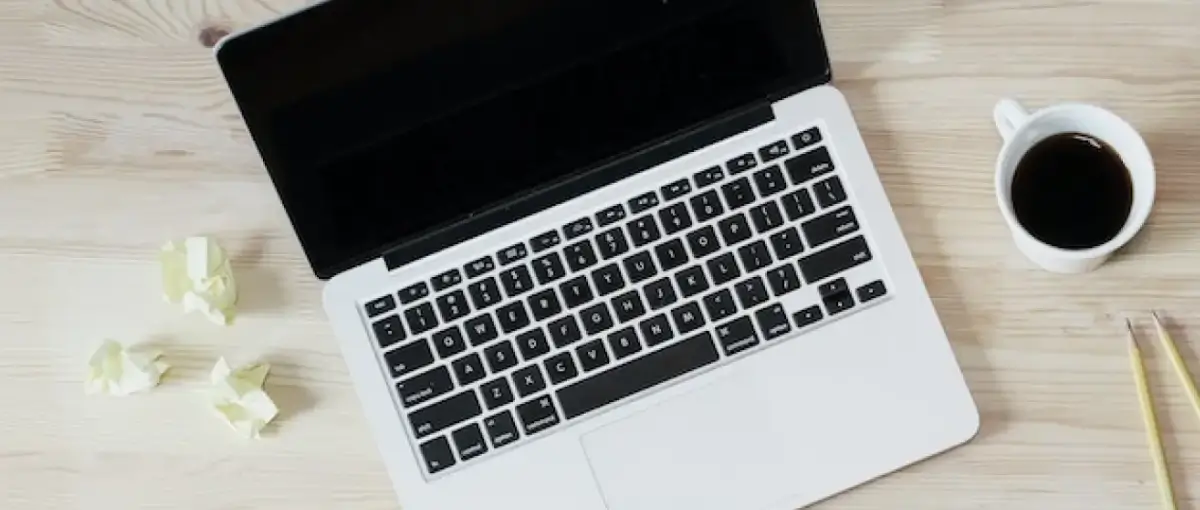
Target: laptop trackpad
[(682, 453)]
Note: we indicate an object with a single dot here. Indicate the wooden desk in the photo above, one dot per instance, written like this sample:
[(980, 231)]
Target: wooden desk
[(116, 133)]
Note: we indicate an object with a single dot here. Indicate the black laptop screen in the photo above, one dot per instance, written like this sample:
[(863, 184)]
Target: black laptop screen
[(380, 122)]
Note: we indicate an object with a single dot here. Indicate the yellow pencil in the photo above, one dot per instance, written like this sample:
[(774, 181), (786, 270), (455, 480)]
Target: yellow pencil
[(1181, 369), (1152, 435)]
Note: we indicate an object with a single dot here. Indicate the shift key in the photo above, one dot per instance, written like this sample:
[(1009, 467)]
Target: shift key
[(445, 414), (835, 259)]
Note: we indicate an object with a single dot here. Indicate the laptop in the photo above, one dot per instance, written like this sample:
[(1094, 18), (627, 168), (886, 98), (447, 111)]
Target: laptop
[(600, 254)]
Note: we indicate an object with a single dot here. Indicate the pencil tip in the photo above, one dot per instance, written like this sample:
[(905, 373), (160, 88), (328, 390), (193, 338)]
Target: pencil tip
[(1157, 319)]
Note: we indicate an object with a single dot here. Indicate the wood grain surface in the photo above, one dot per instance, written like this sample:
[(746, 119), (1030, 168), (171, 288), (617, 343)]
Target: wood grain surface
[(117, 133)]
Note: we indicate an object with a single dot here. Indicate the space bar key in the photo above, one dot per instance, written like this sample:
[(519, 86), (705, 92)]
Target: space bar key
[(638, 375)]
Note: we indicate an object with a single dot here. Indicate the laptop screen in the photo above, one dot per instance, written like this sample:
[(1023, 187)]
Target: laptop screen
[(380, 122)]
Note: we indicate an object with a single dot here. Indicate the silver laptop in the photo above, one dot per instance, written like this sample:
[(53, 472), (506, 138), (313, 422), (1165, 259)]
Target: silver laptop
[(600, 254)]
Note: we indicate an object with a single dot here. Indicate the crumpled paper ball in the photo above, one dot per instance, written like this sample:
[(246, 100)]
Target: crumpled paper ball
[(196, 272), (239, 398), (115, 370)]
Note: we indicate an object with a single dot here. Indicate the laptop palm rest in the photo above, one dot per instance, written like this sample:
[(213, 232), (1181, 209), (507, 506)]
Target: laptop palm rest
[(700, 451)]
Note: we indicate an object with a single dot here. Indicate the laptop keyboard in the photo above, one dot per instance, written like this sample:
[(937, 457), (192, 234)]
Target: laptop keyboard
[(610, 306)]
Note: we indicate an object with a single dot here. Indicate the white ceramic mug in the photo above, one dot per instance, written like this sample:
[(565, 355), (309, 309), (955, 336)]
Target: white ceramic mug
[(1022, 130)]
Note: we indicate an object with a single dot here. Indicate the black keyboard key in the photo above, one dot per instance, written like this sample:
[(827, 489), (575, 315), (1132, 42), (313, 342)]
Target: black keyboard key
[(592, 356), (497, 393), (808, 316), (538, 415), (576, 292), (671, 254), (610, 215), (774, 151), (644, 230), (830, 192), (596, 318), (830, 226), (409, 357), (773, 321), (377, 307), (512, 317), (608, 279), (468, 369), (766, 217), (612, 242), (708, 177), (388, 331), (723, 268), (642, 202), (835, 259), (479, 266), (737, 336), (453, 305), (676, 189), (838, 303), (688, 318), (548, 268), (734, 229), (833, 287), (720, 305), (533, 344), (516, 281), (424, 387), (529, 380), (809, 166), (787, 243), (485, 293), (420, 318), (798, 204), (580, 255), (660, 294), (656, 330), (628, 306), (545, 241), (770, 181), (445, 414), (692, 281), (481, 329), (751, 292), (738, 193), (561, 368), (638, 375), (807, 137), (413, 293), (500, 357), (501, 429), (640, 266), (741, 163), (624, 343), (544, 304), (469, 442), (783, 279), (675, 218), (707, 206), (437, 455), (449, 342), (512, 254), (703, 242), (446, 280), (565, 331), (578, 227), (871, 291), (755, 256)]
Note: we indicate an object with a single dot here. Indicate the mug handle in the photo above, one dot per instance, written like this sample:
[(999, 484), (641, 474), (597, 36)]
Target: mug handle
[(1009, 115)]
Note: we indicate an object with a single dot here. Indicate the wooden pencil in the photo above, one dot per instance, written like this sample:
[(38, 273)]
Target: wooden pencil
[(1181, 369), (1151, 421)]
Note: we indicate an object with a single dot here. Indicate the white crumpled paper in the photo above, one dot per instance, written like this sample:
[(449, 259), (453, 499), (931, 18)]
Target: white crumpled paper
[(115, 370), (196, 273), (239, 398)]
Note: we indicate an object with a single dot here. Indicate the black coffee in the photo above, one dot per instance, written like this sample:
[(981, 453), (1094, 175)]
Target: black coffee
[(1072, 191)]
